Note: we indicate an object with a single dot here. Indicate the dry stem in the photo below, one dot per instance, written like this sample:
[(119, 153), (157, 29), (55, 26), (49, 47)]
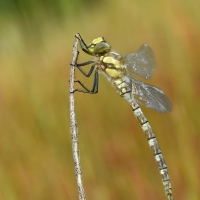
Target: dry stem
[(73, 125)]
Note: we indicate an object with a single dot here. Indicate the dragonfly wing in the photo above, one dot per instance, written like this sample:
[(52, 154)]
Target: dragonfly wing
[(142, 62), (150, 96)]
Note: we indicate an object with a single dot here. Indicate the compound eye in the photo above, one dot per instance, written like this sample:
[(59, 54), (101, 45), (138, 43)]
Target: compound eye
[(101, 48), (91, 48)]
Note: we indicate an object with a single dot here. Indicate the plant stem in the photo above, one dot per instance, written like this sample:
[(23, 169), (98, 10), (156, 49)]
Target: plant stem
[(73, 125)]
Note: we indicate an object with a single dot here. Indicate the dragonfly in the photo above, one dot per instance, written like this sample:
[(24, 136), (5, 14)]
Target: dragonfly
[(121, 72)]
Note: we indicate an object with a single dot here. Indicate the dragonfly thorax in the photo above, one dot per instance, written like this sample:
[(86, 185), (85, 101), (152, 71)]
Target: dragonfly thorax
[(111, 63)]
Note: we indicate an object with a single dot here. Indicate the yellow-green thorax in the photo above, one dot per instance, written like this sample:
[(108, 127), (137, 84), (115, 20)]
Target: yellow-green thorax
[(112, 65)]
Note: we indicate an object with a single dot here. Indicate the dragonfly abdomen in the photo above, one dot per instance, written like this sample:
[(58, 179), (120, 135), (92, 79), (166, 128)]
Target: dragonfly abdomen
[(120, 85), (153, 144)]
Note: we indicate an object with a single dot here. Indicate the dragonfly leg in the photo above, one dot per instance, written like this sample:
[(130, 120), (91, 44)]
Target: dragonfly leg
[(82, 44), (94, 89), (85, 64)]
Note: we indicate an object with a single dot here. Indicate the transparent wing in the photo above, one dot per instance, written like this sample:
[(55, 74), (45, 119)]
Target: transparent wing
[(150, 96), (142, 62)]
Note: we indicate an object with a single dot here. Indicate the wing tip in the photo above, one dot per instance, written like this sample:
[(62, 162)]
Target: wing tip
[(167, 108)]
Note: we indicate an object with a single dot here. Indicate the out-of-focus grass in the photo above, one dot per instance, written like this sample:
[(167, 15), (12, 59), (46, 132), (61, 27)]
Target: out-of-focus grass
[(35, 147)]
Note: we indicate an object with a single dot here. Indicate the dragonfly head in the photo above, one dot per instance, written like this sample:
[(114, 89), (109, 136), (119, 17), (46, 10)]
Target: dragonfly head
[(98, 46)]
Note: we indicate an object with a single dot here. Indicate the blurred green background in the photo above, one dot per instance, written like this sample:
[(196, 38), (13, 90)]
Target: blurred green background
[(36, 39)]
